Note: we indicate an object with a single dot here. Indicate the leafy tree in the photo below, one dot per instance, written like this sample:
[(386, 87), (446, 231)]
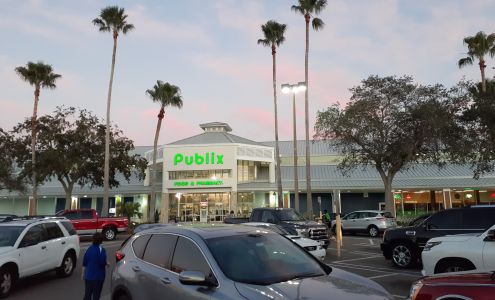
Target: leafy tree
[(273, 34), (70, 149), (309, 9), (129, 210), (8, 179), (112, 19), (477, 143), (167, 95), (478, 47), (391, 123), (39, 75)]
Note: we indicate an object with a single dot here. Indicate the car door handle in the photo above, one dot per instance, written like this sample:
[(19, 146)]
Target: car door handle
[(63, 243), (136, 268), (43, 247), (165, 280)]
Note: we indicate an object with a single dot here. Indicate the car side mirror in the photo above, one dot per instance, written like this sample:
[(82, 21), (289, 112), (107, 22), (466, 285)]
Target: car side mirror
[(195, 278), (490, 236)]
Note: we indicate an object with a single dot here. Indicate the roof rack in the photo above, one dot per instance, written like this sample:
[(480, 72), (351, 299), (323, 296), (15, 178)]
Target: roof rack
[(34, 218)]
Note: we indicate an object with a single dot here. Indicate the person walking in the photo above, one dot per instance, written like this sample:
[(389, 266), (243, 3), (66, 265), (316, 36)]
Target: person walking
[(94, 268)]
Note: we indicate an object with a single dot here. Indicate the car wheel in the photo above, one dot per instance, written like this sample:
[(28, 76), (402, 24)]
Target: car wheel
[(403, 255), (373, 231), (7, 278), (67, 267), (123, 296), (456, 266), (109, 234)]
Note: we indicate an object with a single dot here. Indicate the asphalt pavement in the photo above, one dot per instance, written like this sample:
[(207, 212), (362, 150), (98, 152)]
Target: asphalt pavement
[(362, 255)]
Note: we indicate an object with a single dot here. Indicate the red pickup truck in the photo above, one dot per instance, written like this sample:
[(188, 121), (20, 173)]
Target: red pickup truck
[(87, 222)]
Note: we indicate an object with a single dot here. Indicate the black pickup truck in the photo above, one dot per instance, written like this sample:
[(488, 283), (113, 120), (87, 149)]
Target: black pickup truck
[(291, 221)]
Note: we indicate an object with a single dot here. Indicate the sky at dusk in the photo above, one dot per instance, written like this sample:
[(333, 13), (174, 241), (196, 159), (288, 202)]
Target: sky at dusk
[(209, 49)]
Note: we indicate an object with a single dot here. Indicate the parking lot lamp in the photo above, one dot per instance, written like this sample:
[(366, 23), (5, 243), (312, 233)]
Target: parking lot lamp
[(286, 89)]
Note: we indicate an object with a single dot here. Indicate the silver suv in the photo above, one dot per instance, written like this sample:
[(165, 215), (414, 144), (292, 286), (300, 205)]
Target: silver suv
[(371, 222), (228, 262)]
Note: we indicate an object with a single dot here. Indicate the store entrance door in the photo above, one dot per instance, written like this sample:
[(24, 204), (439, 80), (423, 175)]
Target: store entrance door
[(207, 207)]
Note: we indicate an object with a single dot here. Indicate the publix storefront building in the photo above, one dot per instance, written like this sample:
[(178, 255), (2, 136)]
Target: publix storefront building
[(201, 175), (206, 176)]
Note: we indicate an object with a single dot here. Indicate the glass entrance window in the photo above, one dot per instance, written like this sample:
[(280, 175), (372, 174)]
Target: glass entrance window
[(245, 203), (188, 207)]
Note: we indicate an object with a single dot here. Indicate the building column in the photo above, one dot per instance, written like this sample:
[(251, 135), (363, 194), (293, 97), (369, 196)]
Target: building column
[(477, 197), (447, 199), (233, 202), (433, 201), (164, 208)]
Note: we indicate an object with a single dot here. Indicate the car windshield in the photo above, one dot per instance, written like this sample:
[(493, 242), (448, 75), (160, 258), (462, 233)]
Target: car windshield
[(289, 215), (9, 235), (262, 258)]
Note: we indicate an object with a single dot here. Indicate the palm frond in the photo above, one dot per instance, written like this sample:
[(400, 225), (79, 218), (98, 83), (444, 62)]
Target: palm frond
[(317, 24), (273, 33), (467, 61), (297, 9), (113, 18), (264, 43), (319, 5), (38, 74)]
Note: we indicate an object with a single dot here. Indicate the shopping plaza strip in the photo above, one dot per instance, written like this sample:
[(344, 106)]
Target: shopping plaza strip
[(204, 177)]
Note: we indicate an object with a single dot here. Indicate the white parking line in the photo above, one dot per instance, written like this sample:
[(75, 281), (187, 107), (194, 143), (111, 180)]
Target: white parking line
[(377, 269), (354, 259), (384, 275), (371, 242), (400, 297)]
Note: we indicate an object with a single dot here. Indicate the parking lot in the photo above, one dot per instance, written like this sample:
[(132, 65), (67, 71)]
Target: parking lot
[(362, 255)]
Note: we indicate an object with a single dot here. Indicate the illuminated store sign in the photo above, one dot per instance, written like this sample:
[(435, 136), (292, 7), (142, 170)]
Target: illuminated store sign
[(198, 183), (209, 158)]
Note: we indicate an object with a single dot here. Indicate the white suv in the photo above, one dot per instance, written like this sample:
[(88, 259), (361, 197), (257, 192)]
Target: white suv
[(462, 252), (32, 246)]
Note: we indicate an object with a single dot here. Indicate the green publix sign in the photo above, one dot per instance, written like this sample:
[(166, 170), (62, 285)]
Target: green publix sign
[(209, 158)]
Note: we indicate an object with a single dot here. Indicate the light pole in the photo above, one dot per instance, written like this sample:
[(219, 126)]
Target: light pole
[(294, 88)]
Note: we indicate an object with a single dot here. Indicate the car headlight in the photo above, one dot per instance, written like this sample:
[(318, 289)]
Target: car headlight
[(415, 288), (302, 231), (430, 245)]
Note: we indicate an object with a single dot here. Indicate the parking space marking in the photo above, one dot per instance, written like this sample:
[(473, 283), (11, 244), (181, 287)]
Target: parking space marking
[(400, 297), (354, 259), (371, 242), (378, 269), (383, 275)]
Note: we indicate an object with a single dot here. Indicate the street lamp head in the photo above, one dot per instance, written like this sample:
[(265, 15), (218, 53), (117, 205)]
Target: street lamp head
[(286, 88), (301, 86)]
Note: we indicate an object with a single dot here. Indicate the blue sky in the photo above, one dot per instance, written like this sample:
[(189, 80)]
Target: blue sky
[(208, 48)]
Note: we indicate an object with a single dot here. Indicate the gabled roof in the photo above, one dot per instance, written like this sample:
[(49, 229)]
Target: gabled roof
[(215, 138)]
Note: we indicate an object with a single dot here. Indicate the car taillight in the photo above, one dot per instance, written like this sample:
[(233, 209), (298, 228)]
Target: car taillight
[(119, 256)]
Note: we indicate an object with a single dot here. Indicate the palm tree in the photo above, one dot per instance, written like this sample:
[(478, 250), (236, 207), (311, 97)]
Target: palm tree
[(308, 9), (479, 46), (39, 75), (167, 95), (112, 19), (273, 33)]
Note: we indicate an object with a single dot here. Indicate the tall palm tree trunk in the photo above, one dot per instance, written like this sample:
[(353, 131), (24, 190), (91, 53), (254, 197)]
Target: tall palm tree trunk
[(483, 80), (309, 200), (152, 202), (277, 151), (296, 178), (107, 134), (34, 203)]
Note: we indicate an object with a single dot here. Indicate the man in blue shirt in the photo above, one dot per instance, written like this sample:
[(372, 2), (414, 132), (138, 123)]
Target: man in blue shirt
[(94, 268)]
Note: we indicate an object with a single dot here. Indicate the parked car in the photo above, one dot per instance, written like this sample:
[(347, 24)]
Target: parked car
[(289, 219), (309, 245), (463, 252), (6, 217), (404, 245), (87, 222), (228, 262), (459, 286), (371, 222), (32, 246)]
